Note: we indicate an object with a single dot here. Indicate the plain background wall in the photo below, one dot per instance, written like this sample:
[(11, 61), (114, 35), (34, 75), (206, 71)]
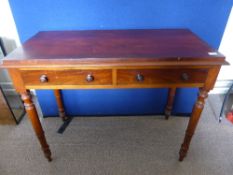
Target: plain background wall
[(206, 18), (10, 38)]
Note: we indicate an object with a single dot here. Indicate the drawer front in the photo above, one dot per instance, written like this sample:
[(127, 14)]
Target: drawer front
[(161, 76), (67, 77)]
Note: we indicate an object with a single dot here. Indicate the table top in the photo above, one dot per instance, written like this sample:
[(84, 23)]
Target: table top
[(155, 46)]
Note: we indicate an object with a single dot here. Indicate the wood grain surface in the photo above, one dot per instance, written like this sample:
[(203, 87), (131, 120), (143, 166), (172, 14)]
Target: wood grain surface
[(113, 47), (111, 59)]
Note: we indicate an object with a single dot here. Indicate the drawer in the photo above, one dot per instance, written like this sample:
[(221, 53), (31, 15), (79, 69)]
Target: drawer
[(161, 76), (67, 77)]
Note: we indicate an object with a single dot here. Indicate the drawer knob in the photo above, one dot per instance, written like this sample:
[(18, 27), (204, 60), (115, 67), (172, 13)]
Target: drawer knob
[(139, 77), (44, 79), (90, 78), (185, 76)]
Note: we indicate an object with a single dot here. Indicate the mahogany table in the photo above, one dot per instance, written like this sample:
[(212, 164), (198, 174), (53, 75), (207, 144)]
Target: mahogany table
[(111, 59)]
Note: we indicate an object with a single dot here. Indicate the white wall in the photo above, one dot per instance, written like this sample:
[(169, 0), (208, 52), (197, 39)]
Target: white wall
[(9, 34), (225, 78), (7, 26)]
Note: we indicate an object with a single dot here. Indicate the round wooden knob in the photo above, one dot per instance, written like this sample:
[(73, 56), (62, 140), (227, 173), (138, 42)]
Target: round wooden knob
[(185, 76), (90, 78), (44, 79), (139, 77)]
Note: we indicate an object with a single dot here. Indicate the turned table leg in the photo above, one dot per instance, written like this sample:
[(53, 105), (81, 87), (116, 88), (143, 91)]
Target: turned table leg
[(57, 93), (33, 116), (170, 100), (193, 121)]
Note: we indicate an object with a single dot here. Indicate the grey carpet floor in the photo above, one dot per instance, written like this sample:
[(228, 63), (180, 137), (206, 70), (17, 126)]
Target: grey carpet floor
[(145, 145)]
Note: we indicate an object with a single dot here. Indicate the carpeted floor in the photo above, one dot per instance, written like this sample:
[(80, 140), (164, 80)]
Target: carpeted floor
[(144, 145)]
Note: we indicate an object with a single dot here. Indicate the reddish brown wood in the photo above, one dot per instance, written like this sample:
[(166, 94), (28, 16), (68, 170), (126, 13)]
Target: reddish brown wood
[(170, 100), (61, 110), (166, 58), (17, 80), (113, 47), (33, 116), (67, 77), (157, 76), (193, 121)]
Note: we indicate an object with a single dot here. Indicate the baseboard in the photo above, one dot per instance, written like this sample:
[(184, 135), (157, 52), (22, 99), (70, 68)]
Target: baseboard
[(221, 86)]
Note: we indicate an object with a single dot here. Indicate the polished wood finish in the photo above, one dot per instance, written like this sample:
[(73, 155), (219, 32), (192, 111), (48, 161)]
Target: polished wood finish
[(33, 116), (61, 109), (66, 77), (105, 59), (170, 100), (123, 78), (162, 76), (113, 47)]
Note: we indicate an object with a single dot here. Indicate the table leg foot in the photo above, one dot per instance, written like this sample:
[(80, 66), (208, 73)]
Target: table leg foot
[(184, 147), (33, 116), (45, 147), (167, 113), (62, 115)]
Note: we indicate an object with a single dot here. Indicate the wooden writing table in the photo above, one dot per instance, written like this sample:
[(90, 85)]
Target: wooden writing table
[(111, 59)]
